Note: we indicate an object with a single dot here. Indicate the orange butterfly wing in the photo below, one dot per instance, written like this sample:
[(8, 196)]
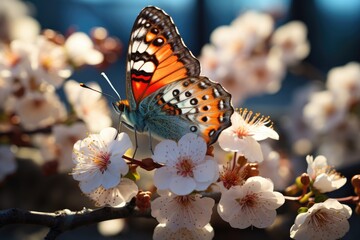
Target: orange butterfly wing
[(157, 56)]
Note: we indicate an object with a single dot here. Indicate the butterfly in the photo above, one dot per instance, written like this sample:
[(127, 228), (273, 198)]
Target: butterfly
[(165, 93)]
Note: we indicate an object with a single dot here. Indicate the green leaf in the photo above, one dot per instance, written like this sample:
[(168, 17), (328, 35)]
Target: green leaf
[(133, 175), (303, 209)]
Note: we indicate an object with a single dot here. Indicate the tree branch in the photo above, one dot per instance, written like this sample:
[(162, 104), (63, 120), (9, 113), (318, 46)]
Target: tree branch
[(65, 220)]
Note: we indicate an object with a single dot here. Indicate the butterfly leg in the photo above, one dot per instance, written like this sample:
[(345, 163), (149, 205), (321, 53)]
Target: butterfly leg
[(150, 143), (136, 143), (127, 125), (132, 128), (120, 123)]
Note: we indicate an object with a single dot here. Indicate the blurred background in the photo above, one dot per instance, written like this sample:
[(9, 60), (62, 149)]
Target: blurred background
[(329, 38)]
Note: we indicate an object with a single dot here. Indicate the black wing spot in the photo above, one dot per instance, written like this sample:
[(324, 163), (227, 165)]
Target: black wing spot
[(175, 92), (206, 108), (158, 42), (211, 133), (188, 94), (193, 101), (205, 118), (185, 84), (205, 97), (155, 30), (202, 85), (193, 128)]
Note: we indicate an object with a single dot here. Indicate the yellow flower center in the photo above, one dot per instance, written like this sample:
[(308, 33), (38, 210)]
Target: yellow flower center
[(251, 122), (102, 160)]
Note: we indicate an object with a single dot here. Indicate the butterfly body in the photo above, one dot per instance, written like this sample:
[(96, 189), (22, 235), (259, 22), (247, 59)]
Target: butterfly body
[(165, 94)]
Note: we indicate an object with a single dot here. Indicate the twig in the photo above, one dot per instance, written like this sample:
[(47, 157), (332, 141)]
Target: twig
[(65, 220), (349, 199)]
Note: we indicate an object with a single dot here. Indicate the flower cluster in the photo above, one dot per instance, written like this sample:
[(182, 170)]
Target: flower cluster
[(34, 67), (249, 57), (100, 168), (330, 120), (240, 177), (245, 201), (327, 220), (323, 218), (186, 169)]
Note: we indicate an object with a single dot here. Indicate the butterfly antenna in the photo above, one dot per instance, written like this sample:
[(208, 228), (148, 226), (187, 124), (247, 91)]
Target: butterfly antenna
[(109, 82), (86, 86)]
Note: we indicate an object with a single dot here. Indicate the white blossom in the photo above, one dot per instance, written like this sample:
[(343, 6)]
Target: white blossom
[(16, 22), (88, 105), (65, 138), (80, 50), (239, 57), (323, 221), (15, 62), (258, 25), (324, 111), (259, 74), (186, 165), (116, 196), (244, 133), (290, 41), (250, 204), (99, 160), (163, 232), (50, 62), (275, 167), (189, 211), (344, 81), (37, 110), (325, 179)]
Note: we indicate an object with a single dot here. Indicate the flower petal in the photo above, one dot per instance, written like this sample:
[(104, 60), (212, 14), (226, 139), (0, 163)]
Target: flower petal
[(205, 172), (90, 185), (229, 142), (108, 135), (324, 183), (182, 185), (263, 218), (117, 196), (110, 178), (252, 150), (121, 145), (264, 132), (192, 146), (161, 178), (166, 152)]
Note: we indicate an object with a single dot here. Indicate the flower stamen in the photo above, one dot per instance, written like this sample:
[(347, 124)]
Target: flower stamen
[(185, 200), (185, 168), (232, 176), (102, 160), (252, 121), (249, 201), (319, 219)]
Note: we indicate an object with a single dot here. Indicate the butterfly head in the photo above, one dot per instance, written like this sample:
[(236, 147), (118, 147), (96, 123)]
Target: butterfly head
[(121, 106)]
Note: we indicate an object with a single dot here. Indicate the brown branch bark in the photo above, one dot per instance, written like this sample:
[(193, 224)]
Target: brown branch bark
[(65, 220)]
